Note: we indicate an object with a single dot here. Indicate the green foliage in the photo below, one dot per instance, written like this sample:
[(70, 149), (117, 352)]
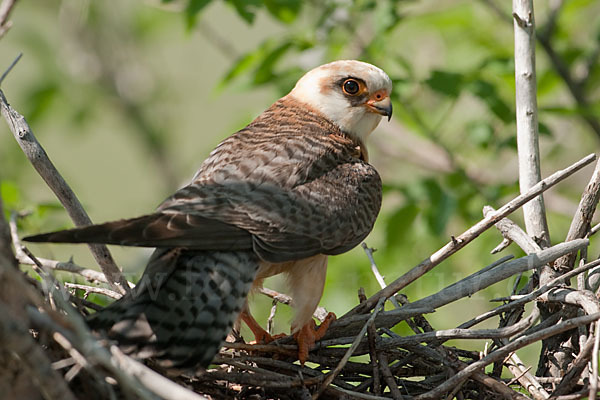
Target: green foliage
[(128, 83)]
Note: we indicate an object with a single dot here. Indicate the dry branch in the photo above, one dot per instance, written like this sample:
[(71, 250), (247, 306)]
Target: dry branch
[(469, 235), (582, 220), (527, 119), (505, 350), (5, 9), (42, 164)]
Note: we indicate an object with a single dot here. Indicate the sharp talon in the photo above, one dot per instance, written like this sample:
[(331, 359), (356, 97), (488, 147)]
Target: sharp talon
[(260, 335), (309, 334)]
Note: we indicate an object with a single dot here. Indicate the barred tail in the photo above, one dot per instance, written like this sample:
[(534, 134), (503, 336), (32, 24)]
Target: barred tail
[(186, 304)]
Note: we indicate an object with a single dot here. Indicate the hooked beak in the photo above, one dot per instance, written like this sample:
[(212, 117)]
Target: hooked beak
[(381, 107)]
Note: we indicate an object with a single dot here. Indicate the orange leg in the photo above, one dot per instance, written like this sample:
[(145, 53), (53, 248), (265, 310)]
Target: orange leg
[(309, 334), (260, 335)]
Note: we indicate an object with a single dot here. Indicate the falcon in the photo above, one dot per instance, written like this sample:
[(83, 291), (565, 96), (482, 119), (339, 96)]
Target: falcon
[(277, 197)]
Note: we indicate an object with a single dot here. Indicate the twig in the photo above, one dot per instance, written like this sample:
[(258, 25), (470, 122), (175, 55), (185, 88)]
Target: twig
[(514, 233), (320, 313), (389, 378), (93, 289), (371, 335), (330, 376), (69, 266), (502, 352), (467, 334), (479, 281), (5, 10), (466, 287), (11, 66), (594, 377), (40, 161), (531, 296), (580, 224), (469, 235), (6, 251), (126, 370), (570, 379), (376, 272)]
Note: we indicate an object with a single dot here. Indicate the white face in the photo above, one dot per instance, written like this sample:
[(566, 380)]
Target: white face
[(352, 94)]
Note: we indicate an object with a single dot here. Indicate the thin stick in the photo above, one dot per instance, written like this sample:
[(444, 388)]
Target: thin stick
[(531, 296), (502, 352), (479, 281), (93, 289), (5, 9), (389, 378), (10, 67), (320, 313), (580, 224), (69, 266), (469, 235), (378, 277), (42, 164), (571, 378), (594, 377), (350, 351), (133, 375)]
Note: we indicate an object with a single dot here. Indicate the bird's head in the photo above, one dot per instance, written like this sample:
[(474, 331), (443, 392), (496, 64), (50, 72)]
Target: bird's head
[(352, 94)]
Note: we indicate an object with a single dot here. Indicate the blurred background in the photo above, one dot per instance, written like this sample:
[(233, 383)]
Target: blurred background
[(129, 97)]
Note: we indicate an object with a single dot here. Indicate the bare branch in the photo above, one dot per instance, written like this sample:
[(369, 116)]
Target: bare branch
[(68, 266), (350, 351), (41, 162), (93, 289), (581, 222), (527, 119), (5, 9), (469, 235), (502, 352)]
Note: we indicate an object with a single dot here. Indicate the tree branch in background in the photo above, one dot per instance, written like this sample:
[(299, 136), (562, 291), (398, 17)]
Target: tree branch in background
[(42, 164), (527, 119), (5, 9), (576, 88)]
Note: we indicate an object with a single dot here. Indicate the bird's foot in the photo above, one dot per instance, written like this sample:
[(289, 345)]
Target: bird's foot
[(309, 334), (260, 335)]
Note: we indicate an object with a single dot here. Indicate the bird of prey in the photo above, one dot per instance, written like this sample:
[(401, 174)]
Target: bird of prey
[(278, 196)]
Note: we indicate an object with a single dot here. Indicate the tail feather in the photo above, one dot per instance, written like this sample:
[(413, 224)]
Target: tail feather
[(157, 230), (182, 320)]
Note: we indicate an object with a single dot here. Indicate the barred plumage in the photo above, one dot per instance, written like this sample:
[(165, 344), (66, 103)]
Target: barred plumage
[(277, 196)]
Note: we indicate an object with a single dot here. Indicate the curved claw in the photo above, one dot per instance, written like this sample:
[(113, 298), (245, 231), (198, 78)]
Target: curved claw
[(260, 335), (309, 334)]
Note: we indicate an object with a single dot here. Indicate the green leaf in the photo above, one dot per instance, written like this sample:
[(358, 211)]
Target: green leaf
[(489, 94), (399, 224), (264, 72), (10, 194), (284, 10), (245, 63), (441, 208), (386, 17), (480, 133), (192, 10), (246, 8), (40, 100), (447, 83), (544, 129)]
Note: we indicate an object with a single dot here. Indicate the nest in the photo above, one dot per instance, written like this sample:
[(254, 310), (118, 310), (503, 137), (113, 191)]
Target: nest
[(46, 340)]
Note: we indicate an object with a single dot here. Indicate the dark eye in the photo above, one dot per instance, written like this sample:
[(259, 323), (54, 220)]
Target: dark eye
[(350, 86)]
